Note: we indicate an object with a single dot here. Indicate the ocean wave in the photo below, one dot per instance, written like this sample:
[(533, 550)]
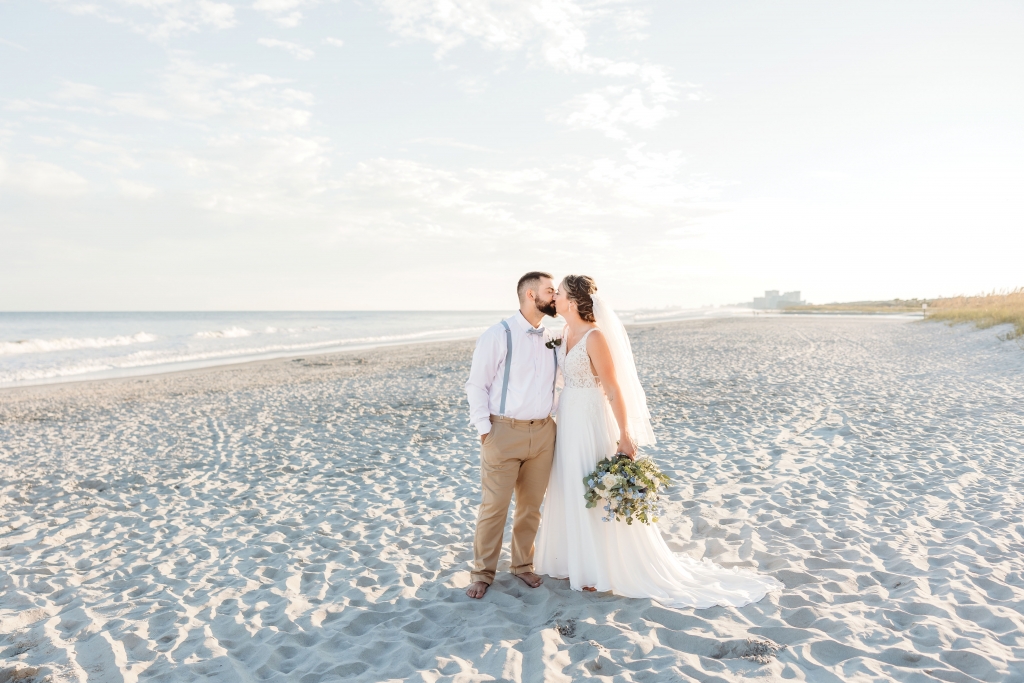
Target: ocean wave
[(293, 330), (142, 358), (23, 375), (71, 343), (158, 359), (234, 332)]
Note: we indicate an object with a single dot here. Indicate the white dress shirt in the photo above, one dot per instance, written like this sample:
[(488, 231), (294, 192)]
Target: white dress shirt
[(531, 376)]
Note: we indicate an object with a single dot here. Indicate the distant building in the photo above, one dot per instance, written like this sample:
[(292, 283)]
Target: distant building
[(773, 300)]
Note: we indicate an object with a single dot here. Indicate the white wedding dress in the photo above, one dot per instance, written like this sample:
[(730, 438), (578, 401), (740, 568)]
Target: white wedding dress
[(629, 560)]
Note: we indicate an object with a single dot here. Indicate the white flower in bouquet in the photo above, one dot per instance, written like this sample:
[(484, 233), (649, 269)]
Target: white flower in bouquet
[(629, 489)]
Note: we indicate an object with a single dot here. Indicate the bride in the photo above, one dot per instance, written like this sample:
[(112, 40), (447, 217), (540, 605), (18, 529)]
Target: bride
[(602, 410)]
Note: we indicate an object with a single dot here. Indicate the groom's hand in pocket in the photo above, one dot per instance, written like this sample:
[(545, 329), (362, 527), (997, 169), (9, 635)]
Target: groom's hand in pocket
[(483, 437)]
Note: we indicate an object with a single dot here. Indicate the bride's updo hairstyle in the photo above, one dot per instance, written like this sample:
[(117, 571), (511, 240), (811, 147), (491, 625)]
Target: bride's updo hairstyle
[(579, 288)]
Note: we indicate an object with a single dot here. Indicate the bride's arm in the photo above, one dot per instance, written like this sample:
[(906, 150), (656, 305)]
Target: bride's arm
[(601, 357)]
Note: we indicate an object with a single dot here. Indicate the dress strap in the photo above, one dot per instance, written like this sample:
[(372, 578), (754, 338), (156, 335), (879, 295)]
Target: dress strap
[(582, 340)]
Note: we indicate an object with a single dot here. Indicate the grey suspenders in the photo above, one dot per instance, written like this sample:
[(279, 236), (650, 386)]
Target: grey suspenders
[(508, 369)]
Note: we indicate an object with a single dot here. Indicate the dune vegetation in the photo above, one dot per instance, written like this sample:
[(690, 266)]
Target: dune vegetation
[(984, 310), (891, 306)]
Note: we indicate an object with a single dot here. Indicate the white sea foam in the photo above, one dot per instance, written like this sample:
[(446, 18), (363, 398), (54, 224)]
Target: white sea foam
[(233, 332), (295, 330), (179, 358), (290, 330), (71, 343)]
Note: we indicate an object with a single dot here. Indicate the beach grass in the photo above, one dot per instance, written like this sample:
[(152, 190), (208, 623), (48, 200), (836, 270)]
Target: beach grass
[(984, 310), (891, 306)]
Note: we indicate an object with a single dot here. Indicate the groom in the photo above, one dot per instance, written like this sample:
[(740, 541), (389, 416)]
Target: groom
[(511, 391)]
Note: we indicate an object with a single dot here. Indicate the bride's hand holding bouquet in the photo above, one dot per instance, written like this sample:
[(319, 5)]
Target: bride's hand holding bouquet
[(627, 445)]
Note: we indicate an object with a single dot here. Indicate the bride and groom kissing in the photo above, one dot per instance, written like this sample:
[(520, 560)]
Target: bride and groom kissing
[(515, 405)]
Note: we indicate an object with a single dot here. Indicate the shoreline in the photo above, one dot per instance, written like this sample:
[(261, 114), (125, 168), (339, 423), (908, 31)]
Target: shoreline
[(165, 371), (238, 368), (231, 364)]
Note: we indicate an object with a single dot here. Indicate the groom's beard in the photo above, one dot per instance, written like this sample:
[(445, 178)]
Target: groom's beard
[(547, 308)]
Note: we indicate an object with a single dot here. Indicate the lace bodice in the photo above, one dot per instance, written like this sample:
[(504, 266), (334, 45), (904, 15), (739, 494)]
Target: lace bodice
[(576, 366)]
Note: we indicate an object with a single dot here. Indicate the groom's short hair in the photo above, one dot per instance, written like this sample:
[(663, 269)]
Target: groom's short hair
[(529, 280)]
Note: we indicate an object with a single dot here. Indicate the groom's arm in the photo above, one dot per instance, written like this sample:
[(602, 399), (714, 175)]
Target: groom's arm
[(486, 356)]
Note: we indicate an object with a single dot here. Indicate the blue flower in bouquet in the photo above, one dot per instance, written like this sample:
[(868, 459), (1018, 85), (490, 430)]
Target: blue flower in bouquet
[(629, 489)]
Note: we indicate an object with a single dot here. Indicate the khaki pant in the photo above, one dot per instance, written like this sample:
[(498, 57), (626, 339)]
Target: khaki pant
[(515, 457)]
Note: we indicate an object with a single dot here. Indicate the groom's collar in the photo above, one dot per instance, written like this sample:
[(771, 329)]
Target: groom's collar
[(523, 322)]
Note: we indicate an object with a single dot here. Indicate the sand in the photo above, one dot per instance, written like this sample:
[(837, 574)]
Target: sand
[(311, 519)]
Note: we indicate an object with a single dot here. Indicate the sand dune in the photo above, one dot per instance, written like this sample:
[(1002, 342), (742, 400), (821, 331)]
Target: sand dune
[(311, 519)]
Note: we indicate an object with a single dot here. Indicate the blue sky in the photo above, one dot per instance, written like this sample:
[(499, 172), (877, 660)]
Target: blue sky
[(422, 154)]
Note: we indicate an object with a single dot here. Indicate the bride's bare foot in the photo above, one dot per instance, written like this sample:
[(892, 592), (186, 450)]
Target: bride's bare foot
[(590, 589), (477, 589), (530, 579)]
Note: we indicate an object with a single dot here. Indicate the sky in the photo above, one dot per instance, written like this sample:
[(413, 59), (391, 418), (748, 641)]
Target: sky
[(423, 154)]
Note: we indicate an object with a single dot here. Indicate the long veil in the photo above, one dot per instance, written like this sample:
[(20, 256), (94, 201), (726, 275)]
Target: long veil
[(633, 396)]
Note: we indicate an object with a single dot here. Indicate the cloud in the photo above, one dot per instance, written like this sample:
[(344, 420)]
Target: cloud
[(231, 141), (137, 105), (297, 96), (11, 43), (110, 155), (250, 81), (226, 142), (555, 33), (290, 20), (219, 92), (277, 6), (472, 85), (611, 109), (158, 20), (284, 12), (48, 141), (43, 178), (401, 200), (296, 50), (190, 91), (556, 25), (645, 183), (277, 176), (336, 42), (448, 142), (134, 104), (134, 190), (77, 91), (585, 199)]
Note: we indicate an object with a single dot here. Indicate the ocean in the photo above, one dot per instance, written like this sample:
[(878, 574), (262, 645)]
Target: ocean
[(39, 348), (42, 348)]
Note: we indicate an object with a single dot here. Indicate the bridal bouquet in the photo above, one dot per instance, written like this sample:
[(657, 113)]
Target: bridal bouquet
[(628, 488)]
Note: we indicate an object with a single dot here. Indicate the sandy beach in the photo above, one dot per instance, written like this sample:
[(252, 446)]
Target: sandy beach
[(311, 519)]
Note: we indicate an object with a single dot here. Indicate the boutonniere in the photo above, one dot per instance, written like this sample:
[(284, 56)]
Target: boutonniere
[(552, 343)]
